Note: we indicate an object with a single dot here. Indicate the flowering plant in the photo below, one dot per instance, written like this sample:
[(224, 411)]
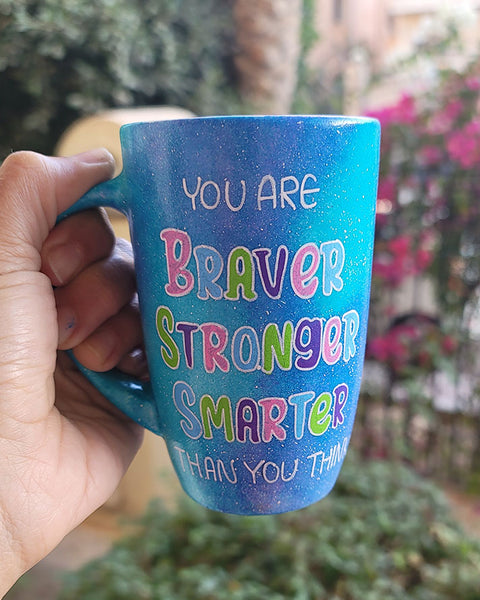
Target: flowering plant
[(412, 345), (428, 216)]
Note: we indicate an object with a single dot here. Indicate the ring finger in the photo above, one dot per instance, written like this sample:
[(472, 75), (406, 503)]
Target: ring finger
[(115, 339)]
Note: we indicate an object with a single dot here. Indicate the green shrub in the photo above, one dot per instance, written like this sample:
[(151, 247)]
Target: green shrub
[(383, 533), (61, 59)]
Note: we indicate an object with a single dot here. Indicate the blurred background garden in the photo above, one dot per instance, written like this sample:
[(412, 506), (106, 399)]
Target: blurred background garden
[(404, 519)]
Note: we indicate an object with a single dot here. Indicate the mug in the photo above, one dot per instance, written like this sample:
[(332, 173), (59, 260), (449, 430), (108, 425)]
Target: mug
[(253, 242)]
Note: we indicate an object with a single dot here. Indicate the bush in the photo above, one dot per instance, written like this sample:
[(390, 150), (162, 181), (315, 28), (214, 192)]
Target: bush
[(427, 239), (61, 59), (382, 533)]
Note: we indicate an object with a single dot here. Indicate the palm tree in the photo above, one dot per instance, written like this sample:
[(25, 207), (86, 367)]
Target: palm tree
[(268, 49)]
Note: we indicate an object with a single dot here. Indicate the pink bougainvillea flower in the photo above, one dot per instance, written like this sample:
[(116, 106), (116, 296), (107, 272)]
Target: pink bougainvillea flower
[(463, 145), (453, 110), (449, 344), (387, 188), (384, 270), (473, 83), (392, 349), (430, 155), (442, 121), (378, 349), (403, 257), (405, 111), (423, 259), (400, 245), (386, 115)]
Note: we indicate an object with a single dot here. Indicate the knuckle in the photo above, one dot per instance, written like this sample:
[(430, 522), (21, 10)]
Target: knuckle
[(114, 286), (22, 163), (22, 175)]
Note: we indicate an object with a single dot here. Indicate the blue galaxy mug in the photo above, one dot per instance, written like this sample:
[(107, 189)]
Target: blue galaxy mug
[(253, 242)]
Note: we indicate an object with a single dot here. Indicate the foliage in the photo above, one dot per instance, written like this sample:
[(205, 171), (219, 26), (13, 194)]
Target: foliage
[(60, 59), (305, 101), (382, 533), (428, 218), (412, 345), (428, 196)]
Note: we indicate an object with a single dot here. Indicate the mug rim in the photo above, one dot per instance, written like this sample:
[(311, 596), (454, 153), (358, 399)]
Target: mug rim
[(334, 120)]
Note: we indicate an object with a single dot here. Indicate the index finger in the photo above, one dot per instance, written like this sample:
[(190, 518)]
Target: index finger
[(34, 190)]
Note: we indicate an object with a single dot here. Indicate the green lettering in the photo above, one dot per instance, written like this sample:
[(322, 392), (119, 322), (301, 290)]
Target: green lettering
[(220, 415), (320, 418), (240, 275), (274, 349), (169, 350)]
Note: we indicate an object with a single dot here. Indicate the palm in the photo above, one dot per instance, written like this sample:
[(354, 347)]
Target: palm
[(76, 457), (66, 445)]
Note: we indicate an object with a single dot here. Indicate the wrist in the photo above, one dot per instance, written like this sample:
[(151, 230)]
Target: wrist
[(10, 569)]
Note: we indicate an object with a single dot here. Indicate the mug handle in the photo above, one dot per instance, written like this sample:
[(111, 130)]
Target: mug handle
[(132, 396)]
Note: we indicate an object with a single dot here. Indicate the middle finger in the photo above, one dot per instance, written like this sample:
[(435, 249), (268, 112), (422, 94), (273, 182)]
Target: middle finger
[(95, 295)]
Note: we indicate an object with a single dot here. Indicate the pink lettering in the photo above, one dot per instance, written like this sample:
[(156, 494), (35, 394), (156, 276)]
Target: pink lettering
[(304, 283), (178, 250), (271, 423), (332, 347), (215, 338)]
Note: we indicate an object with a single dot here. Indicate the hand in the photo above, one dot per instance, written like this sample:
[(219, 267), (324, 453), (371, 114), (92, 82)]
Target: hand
[(63, 447)]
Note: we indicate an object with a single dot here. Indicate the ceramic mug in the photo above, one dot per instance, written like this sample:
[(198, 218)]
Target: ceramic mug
[(253, 242)]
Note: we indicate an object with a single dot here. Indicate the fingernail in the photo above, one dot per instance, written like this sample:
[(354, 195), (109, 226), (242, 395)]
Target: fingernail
[(139, 363), (102, 345), (66, 325), (96, 156), (64, 262)]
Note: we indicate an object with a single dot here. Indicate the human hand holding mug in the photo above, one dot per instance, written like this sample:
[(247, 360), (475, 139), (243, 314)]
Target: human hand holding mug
[(253, 242), (63, 446)]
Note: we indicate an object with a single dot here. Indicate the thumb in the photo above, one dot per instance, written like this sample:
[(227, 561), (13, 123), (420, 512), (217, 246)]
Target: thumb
[(34, 190)]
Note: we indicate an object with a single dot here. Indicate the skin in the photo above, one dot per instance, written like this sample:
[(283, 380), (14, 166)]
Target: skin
[(63, 446)]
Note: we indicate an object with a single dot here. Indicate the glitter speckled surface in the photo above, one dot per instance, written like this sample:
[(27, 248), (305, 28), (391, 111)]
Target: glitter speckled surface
[(253, 240)]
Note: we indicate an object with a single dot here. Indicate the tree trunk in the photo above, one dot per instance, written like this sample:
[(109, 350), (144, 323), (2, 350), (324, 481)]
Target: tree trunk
[(268, 44)]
